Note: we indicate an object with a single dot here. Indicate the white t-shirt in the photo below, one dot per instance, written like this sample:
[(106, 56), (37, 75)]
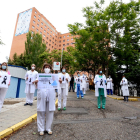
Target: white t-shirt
[(63, 84)]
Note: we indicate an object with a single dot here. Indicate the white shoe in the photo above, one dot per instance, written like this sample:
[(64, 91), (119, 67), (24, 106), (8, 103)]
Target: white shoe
[(41, 133), (50, 132)]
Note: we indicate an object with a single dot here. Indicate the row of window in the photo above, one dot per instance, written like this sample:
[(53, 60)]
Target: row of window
[(64, 36)]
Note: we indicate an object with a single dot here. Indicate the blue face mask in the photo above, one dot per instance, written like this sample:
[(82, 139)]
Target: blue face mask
[(83, 74), (100, 72), (3, 67), (63, 70), (78, 74)]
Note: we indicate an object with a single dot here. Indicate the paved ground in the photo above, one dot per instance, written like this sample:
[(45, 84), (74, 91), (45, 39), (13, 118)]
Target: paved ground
[(14, 111), (83, 121)]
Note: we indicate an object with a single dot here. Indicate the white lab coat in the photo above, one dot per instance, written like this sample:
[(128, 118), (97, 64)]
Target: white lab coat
[(67, 83), (124, 87), (75, 84), (109, 83), (30, 88), (79, 82), (84, 79), (96, 87)]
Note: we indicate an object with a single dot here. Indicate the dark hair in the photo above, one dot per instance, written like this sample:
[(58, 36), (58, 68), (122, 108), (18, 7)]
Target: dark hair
[(62, 68), (6, 66), (45, 64), (98, 72), (78, 72), (56, 71)]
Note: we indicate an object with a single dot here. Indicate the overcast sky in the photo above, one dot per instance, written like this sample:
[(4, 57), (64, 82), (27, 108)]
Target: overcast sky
[(58, 12)]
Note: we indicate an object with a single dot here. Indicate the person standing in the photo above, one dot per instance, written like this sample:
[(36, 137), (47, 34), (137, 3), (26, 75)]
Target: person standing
[(124, 87), (100, 93), (45, 105), (71, 83), (79, 86), (30, 78), (109, 85), (84, 82), (3, 91), (64, 80), (90, 84)]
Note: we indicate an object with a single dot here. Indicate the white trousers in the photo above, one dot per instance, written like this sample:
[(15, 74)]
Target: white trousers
[(84, 90), (29, 97), (45, 116), (2, 96), (62, 94)]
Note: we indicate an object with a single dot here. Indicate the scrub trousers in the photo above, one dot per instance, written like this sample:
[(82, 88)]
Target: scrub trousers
[(45, 119), (101, 98), (78, 90), (108, 91), (62, 94), (29, 97), (2, 96), (126, 98)]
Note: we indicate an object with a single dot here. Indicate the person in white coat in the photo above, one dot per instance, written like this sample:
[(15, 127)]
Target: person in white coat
[(109, 85), (45, 106), (3, 91), (84, 82), (64, 80), (100, 93), (30, 78), (124, 87)]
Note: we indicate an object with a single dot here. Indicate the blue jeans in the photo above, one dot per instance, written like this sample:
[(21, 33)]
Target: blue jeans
[(78, 90), (109, 90), (126, 98), (71, 85)]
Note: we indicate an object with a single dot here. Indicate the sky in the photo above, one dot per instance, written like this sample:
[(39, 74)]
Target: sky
[(59, 12)]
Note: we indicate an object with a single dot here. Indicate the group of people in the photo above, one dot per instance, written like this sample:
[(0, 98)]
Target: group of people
[(46, 96)]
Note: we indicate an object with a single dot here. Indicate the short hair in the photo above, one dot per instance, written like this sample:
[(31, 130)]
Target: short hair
[(46, 64), (56, 71), (99, 70), (62, 68), (33, 64), (6, 66)]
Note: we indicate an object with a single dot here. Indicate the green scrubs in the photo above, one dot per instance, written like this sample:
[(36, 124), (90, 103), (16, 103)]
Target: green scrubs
[(101, 97)]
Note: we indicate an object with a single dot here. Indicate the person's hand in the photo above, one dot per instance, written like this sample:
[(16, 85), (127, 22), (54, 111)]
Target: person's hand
[(60, 80), (36, 81), (0, 75), (9, 84), (67, 79), (27, 78)]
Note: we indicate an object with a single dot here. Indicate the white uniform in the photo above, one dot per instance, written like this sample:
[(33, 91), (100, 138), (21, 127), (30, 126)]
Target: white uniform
[(84, 85), (124, 84), (30, 88), (96, 87), (45, 108), (63, 90), (109, 83), (75, 84), (3, 92)]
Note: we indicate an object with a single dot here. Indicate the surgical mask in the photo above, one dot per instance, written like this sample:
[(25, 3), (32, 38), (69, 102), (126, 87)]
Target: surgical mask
[(3, 67), (78, 74), (33, 68), (83, 74), (109, 76), (47, 70), (100, 72), (63, 70), (123, 77)]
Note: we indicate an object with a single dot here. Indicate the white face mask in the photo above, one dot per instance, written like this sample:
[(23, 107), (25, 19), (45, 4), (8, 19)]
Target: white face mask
[(47, 70), (33, 68)]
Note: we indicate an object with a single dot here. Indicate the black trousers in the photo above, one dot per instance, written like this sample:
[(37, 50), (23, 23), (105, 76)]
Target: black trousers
[(71, 86)]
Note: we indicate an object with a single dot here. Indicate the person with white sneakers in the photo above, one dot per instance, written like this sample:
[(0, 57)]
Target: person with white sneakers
[(84, 82), (64, 80), (45, 105), (30, 78), (109, 85)]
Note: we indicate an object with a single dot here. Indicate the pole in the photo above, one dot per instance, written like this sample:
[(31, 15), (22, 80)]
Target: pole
[(61, 56)]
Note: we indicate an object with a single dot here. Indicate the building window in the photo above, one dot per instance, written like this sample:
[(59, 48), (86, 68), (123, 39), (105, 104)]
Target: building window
[(34, 16), (51, 31), (50, 36), (38, 25), (64, 45), (50, 40), (46, 42), (63, 48), (63, 36), (46, 47), (45, 26), (45, 31), (56, 32), (53, 38), (60, 37), (48, 29), (38, 20), (67, 39), (32, 32), (39, 15), (55, 44), (40, 32), (52, 46), (53, 35), (49, 44), (67, 43), (43, 40), (56, 36), (72, 43), (33, 21), (71, 38), (33, 27), (41, 23), (37, 30), (59, 41), (59, 49), (44, 35), (31, 37), (59, 45), (41, 28), (35, 12), (67, 35), (47, 38), (63, 40)]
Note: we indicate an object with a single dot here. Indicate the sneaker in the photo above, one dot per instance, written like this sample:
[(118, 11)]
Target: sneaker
[(50, 132), (31, 104), (82, 97), (26, 104), (41, 133), (98, 107), (77, 97), (103, 107), (59, 109), (64, 108)]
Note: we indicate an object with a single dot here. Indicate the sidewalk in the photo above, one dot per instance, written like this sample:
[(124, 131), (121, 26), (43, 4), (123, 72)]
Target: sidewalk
[(121, 97)]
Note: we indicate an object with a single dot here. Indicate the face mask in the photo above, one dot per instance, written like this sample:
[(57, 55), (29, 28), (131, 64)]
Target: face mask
[(3, 67), (100, 72), (83, 74), (78, 74), (47, 70), (123, 77), (109, 76), (33, 68), (63, 70)]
